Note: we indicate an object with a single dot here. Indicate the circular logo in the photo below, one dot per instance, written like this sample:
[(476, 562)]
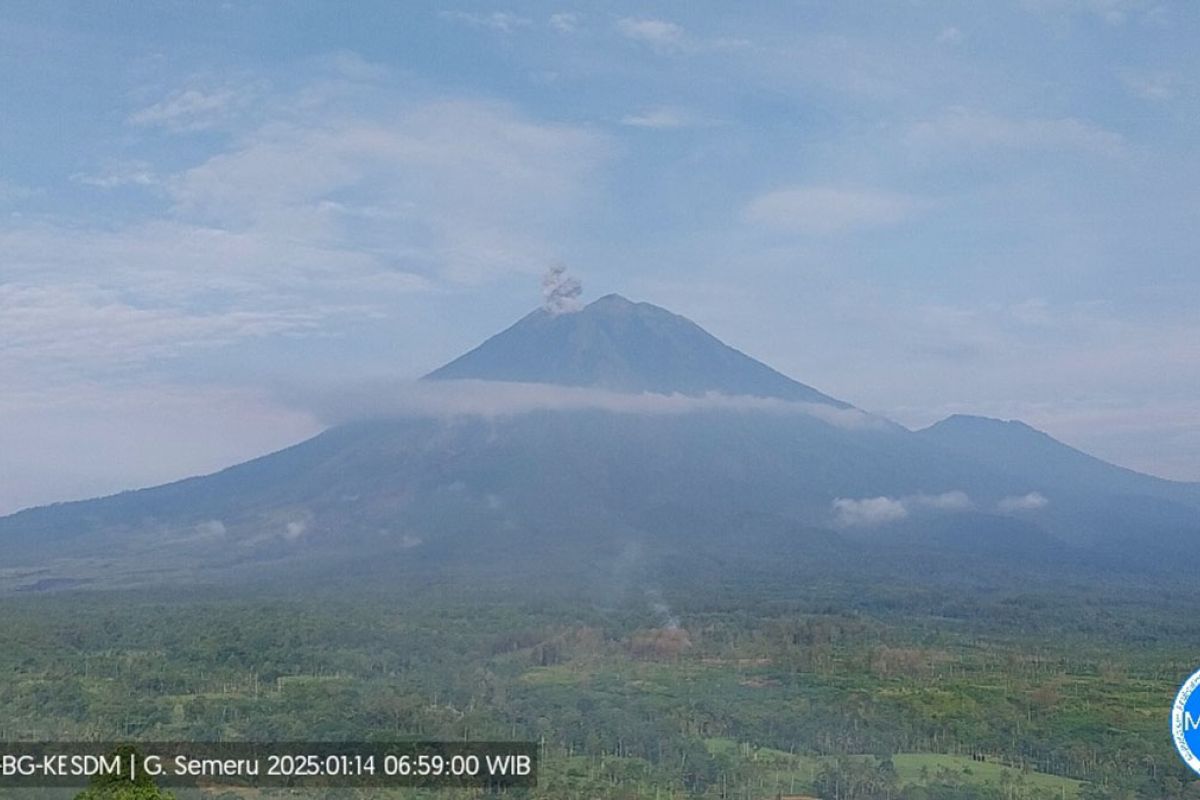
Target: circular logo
[(1185, 722)]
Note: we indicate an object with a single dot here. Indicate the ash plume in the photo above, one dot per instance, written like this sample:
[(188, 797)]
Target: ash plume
[(560, 291)]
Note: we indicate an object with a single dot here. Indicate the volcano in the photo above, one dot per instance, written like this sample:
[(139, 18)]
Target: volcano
[(721, 460), (623, 346)]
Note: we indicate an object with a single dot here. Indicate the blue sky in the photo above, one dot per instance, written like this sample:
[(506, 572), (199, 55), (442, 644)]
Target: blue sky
[(920, 207)]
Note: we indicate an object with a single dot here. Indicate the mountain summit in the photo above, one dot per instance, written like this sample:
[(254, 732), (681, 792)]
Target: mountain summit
[(620, 345)]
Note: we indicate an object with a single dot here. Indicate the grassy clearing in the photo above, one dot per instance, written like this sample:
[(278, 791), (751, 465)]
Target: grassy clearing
[(793, 772), (909, 767)]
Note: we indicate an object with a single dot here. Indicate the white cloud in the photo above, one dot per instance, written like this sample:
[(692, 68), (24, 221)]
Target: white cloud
[(120, 173), (195, 109), (462, 188), (829, 209), (872, 511), (868, 512), (962, 128), (668, 37), (310, 220), (312, 223), (950, 35), (295, 529), (1157, 86), (1026, 502), (51, 333), (353, 67), (456, 398), (666, 117), (502, 21), (659, 34), (1112, 12), (564, 22)]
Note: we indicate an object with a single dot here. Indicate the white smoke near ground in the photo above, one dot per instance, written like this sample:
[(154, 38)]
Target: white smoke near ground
[(494, 399), (623, 570), (560, 291), (1025, 502), (668, 618), (871, 511)]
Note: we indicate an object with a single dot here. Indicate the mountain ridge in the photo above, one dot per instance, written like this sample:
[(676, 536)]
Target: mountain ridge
[(974, 434)]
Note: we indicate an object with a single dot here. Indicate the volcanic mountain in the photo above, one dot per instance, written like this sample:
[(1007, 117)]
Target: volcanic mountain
[(623, 346), (676, 452)]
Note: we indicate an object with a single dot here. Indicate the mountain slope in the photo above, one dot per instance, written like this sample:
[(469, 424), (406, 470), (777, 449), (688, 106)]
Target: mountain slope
[(600, 494), (1131, 517), (623, 346), (1015, 447), (572, 488)]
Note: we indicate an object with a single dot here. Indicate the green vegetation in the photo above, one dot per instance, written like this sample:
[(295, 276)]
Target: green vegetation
[(113, 787), (886, 692)]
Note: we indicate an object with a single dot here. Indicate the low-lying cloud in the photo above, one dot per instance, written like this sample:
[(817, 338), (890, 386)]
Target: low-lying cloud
[(868, 511), (459, 398), (1025, 502), (871, 511)]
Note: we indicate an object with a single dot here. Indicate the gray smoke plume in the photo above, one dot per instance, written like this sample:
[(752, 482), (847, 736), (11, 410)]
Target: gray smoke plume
[(560, 292)]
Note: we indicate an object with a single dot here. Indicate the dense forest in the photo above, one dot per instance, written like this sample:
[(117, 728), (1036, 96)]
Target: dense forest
[(863, 692)]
